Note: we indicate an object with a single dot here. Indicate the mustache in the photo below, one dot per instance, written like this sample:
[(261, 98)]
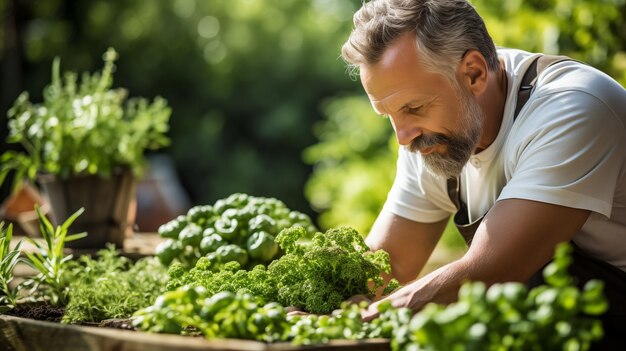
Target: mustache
[(429, 140), (458, 148)]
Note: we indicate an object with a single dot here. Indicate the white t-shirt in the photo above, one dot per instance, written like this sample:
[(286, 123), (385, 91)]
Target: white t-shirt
[(566, 147)]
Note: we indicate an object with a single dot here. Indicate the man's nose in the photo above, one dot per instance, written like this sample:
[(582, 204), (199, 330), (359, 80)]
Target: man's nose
[(405, 131)]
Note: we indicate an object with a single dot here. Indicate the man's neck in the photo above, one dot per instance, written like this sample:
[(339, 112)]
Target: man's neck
[(492, 103)]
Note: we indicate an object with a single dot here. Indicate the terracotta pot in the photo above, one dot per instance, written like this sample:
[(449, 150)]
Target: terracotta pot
[(106, 202)]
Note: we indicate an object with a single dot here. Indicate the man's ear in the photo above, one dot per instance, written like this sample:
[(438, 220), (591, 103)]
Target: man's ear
[(474, 72)]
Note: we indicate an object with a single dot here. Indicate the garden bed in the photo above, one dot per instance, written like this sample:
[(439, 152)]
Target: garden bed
[(183, 292), (38, 327), (21, 334)]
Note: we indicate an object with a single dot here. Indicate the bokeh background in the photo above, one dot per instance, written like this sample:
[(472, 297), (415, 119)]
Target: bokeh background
[(262, 102)]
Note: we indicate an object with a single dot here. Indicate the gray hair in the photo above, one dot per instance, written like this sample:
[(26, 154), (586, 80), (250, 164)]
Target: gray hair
[(444, 31)]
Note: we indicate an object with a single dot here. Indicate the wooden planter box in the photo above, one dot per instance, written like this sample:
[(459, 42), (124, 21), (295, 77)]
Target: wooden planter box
[(20, 334)]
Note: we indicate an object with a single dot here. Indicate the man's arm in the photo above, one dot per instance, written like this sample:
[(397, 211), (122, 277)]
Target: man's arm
[(408, 243), (516, 238)]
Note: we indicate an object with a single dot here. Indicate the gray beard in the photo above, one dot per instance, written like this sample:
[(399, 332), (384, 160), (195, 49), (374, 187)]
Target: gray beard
[(460, 146)]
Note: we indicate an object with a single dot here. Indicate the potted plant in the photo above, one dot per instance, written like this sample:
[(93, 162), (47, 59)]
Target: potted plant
[(85, 146)]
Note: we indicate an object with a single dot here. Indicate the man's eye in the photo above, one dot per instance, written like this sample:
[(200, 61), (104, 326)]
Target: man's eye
[(414, 110)]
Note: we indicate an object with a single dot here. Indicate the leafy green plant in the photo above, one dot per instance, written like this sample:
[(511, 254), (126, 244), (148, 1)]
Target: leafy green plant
[(318, 276), (50, 261), (112, 287), (554, 316), (8, 259), (507, 316), (238, 228), (245, 316), (221, 315), (314, 275), (82, 128)]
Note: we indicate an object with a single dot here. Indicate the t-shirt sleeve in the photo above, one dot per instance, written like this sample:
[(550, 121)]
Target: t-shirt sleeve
[(416, 194), (567, 151)]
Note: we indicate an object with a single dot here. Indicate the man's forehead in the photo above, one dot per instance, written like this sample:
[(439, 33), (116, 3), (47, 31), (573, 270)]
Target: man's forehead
[(401, 51), (392, 84), (400, 62)]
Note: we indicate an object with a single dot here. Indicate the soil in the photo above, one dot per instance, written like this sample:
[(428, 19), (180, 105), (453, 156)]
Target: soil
[(40, 312), (48, 313)]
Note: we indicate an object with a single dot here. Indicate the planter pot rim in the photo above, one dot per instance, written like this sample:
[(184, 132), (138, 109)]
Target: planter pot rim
[(47, 176)]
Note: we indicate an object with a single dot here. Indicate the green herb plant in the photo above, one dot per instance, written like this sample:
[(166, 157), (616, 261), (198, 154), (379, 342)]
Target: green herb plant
[(82, 128), (111, 286), (319, 275), (193, 310), (50, 261), (8, 259), (315, 275)]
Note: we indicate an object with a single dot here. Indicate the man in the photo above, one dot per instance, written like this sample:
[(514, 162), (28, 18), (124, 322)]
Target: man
[(554, 171)]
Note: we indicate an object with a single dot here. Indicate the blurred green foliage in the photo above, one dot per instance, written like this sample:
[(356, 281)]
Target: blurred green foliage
[(354, 163), (247, 80), (243, 77), (592, 31)]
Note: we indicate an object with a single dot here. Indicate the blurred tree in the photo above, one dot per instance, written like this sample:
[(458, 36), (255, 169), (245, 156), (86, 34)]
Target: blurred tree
[(244, 77)]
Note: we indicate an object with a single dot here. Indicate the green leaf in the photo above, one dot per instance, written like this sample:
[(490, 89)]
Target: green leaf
[(65, 226), (36, 262), (75, 236), (47, 229)]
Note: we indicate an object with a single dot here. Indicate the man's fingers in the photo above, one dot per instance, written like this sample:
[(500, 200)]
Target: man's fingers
[(297, 313), (357, 299), (370, 312), (290, 309)]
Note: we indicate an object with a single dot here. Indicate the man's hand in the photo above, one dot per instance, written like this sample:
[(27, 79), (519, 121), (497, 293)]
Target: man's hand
[(438, 286)]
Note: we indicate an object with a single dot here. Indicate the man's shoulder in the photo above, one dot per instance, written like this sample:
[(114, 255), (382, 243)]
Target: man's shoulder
[(565, 85), (571, 99), (567, 75), (573, 77)]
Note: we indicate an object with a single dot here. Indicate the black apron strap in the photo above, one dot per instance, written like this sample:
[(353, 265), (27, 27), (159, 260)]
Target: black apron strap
[(461, 218), (530, 78)]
